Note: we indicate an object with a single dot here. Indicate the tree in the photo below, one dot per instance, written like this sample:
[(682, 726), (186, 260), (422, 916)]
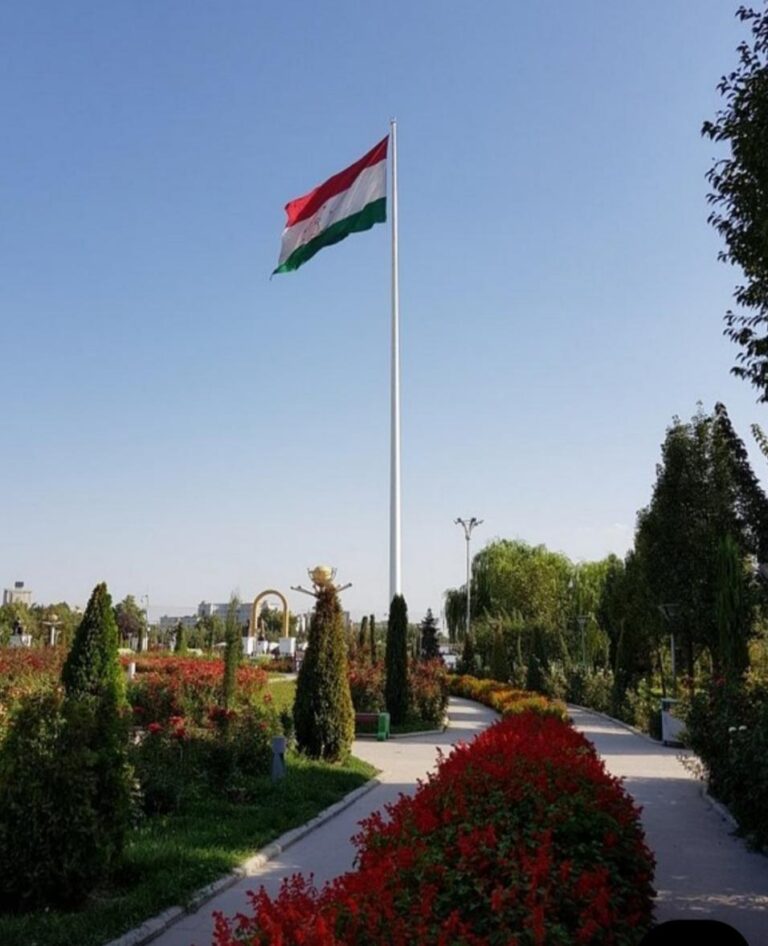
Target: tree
[(739, 196), (131, 620), (372, 634), (233, 652), (95, 707), (430, 648), (704, 492), (467, 664), (733, 607), (396, 695), (499, 659), (323, 714), (456, 612), (362, 637), (180, 643)]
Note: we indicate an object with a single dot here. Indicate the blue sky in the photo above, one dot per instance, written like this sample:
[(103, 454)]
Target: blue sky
[(180, 426)]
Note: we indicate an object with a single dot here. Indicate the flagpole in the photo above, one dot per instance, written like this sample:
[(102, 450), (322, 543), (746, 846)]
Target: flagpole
[(395, 587)]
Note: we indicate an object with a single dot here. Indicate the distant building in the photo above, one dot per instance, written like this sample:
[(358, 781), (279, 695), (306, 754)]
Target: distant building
[(18, 594)]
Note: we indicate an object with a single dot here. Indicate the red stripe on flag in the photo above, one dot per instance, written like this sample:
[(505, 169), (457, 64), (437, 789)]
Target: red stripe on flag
[(306, 206)]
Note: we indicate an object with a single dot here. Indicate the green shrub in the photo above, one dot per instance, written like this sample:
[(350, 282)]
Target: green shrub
[(322, 710), (396, 662), (94, 686), (727, 727), (53, 850)]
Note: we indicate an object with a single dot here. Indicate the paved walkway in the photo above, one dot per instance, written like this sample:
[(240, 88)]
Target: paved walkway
[(327, 852), (702, 870)]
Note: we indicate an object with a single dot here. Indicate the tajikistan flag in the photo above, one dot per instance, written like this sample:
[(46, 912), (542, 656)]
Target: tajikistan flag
[(350, 201)]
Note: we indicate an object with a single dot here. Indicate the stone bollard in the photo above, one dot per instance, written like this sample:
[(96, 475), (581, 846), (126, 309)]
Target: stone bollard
[(278, 758)]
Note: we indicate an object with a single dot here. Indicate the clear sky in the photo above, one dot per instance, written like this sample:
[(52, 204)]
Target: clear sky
[(175, 423)]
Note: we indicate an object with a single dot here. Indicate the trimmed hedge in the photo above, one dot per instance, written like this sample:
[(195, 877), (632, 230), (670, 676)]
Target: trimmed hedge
[(520, 838), (505, 699)]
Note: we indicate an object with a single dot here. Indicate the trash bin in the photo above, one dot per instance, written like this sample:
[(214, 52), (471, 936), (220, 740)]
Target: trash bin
[(671, 725)]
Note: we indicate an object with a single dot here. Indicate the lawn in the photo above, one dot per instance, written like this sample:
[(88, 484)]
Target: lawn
[(170, 857)]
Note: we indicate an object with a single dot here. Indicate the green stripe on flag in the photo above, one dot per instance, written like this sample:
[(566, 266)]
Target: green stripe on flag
[(375, 212)]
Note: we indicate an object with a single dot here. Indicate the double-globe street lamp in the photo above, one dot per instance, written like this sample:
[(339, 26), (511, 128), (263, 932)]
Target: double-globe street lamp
[(469, 525)]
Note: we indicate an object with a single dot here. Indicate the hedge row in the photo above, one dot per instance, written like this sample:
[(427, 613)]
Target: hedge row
[(520, 838), (505, 699)]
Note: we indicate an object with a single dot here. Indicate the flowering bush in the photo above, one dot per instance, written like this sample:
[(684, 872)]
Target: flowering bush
[(26, 672), (427, 686), (187, 686), (366, 684), (176, 758), (504, 698), (520, 838)]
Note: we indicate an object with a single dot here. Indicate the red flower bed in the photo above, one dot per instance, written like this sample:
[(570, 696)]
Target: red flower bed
[(521, 838), (186, 686), (25, 671), (503, 698)]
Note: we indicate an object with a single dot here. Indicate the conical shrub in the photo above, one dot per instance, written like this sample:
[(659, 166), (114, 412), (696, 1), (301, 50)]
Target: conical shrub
[(322, 711), (396, 692)]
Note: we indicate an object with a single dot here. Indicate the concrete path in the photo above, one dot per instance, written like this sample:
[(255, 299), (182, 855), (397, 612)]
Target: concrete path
[(327, 852), (702, 870)]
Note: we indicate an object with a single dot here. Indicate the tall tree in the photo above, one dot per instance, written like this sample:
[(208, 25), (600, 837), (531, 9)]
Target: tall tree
[(362, 636), (739, 196), (396, 693), (430, 648), (322, 710), (372, 635), (704, 492)]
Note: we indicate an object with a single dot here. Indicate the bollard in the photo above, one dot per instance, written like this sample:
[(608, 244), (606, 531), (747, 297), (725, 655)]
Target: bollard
[(278, 758)]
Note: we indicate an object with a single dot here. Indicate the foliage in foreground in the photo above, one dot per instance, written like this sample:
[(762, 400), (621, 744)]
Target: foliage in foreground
[(167, 858), (65, 782), (521, 837)]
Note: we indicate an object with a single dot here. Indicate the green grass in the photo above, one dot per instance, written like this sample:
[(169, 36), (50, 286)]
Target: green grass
[(283, 694), (170, 857)]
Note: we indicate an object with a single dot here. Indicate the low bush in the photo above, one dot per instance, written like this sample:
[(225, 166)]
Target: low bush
[(520, 837), (187, 686), (504, 698), (52, 848)]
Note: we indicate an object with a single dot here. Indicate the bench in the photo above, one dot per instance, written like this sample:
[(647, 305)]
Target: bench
[(379, 720)]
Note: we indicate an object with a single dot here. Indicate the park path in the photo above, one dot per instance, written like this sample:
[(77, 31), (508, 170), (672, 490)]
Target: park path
[(702, 870), (327, 851)]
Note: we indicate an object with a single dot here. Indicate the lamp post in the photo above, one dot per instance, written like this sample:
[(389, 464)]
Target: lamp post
[(52, 623), (669, 612), (468, 525)]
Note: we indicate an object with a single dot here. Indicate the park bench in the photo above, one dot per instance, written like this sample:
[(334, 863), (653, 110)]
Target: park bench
[(379, 720)]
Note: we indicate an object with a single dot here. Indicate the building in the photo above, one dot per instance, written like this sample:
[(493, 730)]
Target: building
[(18, 594)]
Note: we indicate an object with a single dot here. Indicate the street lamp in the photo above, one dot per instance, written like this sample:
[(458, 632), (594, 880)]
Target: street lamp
[(669, 612), (469, 525), (52, 624)]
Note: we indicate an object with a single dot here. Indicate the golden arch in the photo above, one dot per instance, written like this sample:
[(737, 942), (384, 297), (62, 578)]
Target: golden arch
[(254, 612)]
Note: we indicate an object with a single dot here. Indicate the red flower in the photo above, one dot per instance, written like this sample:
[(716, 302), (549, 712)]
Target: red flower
[(154, 728)]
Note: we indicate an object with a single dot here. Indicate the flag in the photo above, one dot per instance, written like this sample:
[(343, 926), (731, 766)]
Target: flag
[(350, 201)]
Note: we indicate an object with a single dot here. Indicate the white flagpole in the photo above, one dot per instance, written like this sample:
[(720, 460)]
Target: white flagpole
[(395, 587)]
